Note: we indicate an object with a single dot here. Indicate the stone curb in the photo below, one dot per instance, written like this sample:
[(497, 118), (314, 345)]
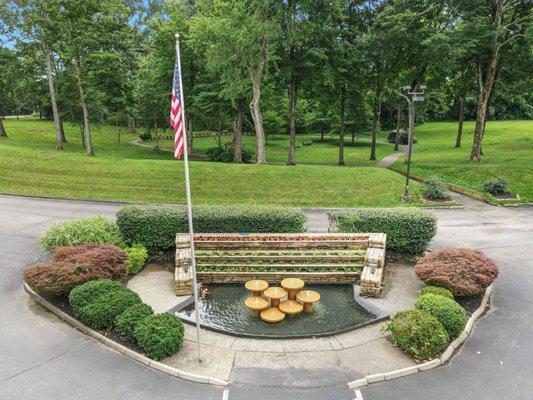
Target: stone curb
[(123, 349), (444, 357)]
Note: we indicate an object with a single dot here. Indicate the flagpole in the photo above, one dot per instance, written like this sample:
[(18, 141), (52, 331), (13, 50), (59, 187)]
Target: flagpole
[(189, 204)]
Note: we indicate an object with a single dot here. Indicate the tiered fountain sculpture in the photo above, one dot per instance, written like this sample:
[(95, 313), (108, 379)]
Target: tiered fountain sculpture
[(266, 301)]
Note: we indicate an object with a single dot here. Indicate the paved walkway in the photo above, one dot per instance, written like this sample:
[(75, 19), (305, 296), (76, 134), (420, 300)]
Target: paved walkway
[(44, 358)]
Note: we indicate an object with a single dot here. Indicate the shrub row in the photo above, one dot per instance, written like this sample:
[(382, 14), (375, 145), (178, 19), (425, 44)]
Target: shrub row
[(227, 153), (409, 230), (155, 226), (73, 265), (105, 304)]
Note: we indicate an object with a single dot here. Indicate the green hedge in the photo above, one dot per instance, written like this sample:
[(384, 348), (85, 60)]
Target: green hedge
[(436, 290), (155, 226), (86, 293), (409, 230), (126, 322), (449, 313), (159, 335), (137, 255)]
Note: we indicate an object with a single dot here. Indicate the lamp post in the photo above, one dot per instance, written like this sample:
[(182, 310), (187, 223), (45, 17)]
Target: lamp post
[(412, 96)]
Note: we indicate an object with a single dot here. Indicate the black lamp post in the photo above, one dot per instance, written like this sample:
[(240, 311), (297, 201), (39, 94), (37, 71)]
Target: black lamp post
[(412, 96)]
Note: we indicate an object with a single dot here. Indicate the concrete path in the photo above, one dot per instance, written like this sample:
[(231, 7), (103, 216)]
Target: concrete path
[(390, 159), (43, 358)]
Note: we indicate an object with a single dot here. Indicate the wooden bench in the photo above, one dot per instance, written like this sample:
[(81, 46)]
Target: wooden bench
[(315, 258)]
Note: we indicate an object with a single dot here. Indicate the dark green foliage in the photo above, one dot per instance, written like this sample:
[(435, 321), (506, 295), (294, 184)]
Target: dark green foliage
[(449, 313), (84, 294), (137, 255), (103, 310), (435, 189), (496, 186), (419, 333), (155, 226), (146, 136), (80, 231), (409, 230), (436, 290), (126, 322), (160, 335), (403, 139), (226, 154)]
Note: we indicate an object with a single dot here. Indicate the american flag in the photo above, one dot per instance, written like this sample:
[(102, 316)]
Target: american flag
[(177, 112)]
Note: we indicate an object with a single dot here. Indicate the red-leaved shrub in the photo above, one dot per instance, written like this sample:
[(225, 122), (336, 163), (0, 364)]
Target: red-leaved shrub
[(74, 265), (463, 271)]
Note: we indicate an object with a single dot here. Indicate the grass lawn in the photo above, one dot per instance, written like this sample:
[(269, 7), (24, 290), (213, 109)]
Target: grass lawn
[(507, 147), (324, 152), (30, 165)]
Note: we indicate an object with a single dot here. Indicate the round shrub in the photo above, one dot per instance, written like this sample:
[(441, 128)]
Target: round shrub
[(73, 265), (496, 186), (160, 335), (84, 294), (464, 272), (435, 189), (439, 291), (80, 231), (449, 313), (126, 322), (103, 310), (136, 258), (419, 333)]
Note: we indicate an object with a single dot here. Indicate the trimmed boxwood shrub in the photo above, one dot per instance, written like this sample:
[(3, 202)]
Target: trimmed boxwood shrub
[(449, 313), (126, 322), (84, 294), (439, 291), (80, 231), (104, 309), (73, 265), (160, 335), (137, 255), (409, 230), (464, 272), (155, 226), (419, 333)]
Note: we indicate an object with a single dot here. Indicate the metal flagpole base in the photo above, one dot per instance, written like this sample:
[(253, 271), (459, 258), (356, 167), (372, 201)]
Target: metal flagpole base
[(406, 198)]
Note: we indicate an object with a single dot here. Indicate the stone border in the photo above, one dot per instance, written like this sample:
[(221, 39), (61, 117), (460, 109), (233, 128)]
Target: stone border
[(444, 357), (121, 348)]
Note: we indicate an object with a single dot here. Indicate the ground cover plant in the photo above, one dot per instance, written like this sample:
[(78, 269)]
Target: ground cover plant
[(418, 333), (449, 313), (159, 335), (464, 272), (74, 265), (125, 172), (80, 231), (408, 230)]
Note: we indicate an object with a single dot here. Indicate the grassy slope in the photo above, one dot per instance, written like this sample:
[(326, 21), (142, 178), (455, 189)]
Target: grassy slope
[(30, 165), (507, 147)]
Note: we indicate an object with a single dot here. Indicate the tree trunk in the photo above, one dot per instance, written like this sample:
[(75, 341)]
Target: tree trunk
[(398, 127), (460, 123), (62, 130), (353, 137), (292, 134), (52, 90), (374, 130), (237, 132), (118, 133), (2, 129), (190, 133), (131, 126), (254, 105), (85, 109), (82, 137), (342, 126)]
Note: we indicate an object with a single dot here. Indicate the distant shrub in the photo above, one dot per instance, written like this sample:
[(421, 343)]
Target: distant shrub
[(307, 142), (126, 322), (137, 255), (102, 311), (449, 313), (419, 333), (146, 136), (160, 335), (409, 230), (155, 226), (435, 189), (81, 231), (84, 294), (439, 291), (73, 265), (226, 154), (464, 272), (496, 186), (402, 139)]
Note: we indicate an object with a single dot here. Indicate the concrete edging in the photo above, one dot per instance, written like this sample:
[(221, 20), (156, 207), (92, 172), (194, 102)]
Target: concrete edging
[(121, 348), (444, 357)]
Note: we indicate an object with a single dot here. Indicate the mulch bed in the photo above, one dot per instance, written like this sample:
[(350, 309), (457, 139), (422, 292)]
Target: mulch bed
[(470, 303)]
